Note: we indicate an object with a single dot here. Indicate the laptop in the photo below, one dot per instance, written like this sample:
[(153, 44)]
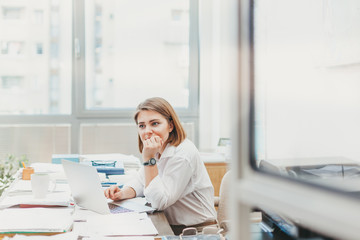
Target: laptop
[(85, 186)]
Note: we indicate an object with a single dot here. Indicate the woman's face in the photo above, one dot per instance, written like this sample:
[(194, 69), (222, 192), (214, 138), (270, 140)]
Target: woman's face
[(151, 123)]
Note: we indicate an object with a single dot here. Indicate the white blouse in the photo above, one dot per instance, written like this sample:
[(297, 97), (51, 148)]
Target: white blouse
[(182, 189)]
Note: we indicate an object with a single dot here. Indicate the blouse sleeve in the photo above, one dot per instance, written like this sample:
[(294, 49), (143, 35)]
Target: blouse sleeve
[(137, 183), (164, 191)]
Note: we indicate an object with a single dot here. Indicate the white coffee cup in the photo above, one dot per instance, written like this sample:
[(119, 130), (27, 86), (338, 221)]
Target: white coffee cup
[(40, 183)]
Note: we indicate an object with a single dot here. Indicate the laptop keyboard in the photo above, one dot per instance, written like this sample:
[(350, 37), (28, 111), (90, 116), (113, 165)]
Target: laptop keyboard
[(118, 209)]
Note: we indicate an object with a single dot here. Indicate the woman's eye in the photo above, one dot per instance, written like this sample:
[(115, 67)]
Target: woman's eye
[(155, 124), (141, 125)]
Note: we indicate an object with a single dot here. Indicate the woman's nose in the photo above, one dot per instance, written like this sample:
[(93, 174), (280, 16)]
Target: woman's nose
[(148, 130)]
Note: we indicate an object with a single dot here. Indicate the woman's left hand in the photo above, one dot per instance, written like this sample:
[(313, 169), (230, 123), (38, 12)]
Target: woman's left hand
[(152, 146)]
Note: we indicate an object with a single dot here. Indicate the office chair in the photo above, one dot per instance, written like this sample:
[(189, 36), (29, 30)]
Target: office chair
[(221, 202)]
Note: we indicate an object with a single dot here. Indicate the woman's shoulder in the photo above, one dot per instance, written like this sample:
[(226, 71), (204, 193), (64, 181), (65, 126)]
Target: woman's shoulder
[(187, 143), (187, 147)]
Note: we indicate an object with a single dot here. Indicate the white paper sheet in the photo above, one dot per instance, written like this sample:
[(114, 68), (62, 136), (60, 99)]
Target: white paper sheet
[(135, 204), (124, 224), (35, 220), (63, 236), (120, 238), (25, 186), (58, 199)]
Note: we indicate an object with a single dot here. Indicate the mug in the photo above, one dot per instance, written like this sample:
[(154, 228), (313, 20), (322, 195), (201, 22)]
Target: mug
[(40, 183)]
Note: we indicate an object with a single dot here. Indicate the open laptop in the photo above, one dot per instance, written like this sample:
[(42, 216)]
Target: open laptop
[(85, 186)]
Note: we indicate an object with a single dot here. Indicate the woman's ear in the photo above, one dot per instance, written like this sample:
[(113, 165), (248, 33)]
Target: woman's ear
[(171, 126)]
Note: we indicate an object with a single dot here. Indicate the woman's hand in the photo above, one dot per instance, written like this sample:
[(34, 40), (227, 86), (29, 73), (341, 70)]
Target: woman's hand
[(114, 193), (152, 146)]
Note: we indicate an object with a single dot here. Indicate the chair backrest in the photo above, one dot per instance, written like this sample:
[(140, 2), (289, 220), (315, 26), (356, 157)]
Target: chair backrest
[(223, 197)]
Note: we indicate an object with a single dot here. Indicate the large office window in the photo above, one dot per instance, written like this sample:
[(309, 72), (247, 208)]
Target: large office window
[(132, 50), (76, 62)]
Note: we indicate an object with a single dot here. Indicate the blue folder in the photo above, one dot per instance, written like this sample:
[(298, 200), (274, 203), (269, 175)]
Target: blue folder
[(56, 158)]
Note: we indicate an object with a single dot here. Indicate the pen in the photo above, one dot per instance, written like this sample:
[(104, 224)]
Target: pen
[(111, 184), (23, 164)]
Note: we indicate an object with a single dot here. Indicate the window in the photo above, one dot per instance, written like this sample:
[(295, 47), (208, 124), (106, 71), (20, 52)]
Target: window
[(39, 48), (132, 55), (11, 82), (33, 39), (299, 106), (38, 16), (13, 13), (12, 48)]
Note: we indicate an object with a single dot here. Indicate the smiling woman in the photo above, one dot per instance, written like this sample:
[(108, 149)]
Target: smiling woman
[(173, 177)]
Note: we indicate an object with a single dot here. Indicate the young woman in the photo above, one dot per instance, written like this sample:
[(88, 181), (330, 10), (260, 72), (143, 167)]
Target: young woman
[(173, 177)]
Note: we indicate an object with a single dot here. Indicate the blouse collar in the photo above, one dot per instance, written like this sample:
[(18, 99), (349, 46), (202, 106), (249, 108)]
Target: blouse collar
[(169, 151)]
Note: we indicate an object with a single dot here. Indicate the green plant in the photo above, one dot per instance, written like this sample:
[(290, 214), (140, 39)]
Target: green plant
[(8, 167)]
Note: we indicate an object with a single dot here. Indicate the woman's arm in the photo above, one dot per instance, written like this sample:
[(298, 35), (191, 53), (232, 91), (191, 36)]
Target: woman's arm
[(152, 146), (164, 191)]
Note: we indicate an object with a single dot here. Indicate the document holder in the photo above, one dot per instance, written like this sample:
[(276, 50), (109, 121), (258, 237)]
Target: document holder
[(103, 163), (109, 167)]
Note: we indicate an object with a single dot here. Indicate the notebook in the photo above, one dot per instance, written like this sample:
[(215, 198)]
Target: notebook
[(85, 186)]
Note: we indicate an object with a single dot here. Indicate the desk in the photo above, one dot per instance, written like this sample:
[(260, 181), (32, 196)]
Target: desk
[(216, 171), (158, 219), (161, 223)]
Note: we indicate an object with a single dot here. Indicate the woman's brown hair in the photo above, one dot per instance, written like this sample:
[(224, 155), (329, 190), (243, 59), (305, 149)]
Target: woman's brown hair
[(160, 105)]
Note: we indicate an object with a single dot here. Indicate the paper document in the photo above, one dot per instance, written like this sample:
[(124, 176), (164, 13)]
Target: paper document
[(124, 224), (63, 236), (121, 179), (29, 220), (23, 186), (47, 167), (52, 199), (135, 204), (120, 238)]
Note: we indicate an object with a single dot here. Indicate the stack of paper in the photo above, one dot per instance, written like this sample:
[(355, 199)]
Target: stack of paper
[(56, 171), (24, 186), (64, 236), (52, 199), (119, 238), (124, 224), (137, 204), (31, 220)]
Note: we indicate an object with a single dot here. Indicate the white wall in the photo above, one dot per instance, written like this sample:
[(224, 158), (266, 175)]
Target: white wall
[(216, 73)]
